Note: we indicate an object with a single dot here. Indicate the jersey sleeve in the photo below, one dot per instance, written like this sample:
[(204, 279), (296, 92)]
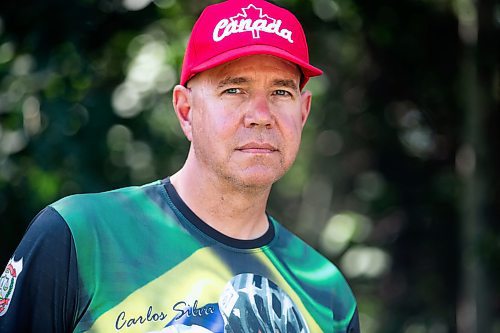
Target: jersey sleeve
[(354, 324), (39, 287)]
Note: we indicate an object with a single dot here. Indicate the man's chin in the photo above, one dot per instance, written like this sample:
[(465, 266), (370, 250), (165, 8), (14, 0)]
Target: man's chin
[(258, 178)]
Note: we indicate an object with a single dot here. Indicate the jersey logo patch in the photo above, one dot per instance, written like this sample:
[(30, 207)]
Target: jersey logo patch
[(8, 283), (251, 20)]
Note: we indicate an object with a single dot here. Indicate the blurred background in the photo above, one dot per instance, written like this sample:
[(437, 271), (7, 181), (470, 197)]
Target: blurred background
[(397, 181)]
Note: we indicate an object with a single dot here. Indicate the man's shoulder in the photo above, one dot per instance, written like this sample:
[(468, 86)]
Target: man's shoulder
[(102, 197), (91, 203), (112, 208), (294, 245), (300, 255), (128, 217)]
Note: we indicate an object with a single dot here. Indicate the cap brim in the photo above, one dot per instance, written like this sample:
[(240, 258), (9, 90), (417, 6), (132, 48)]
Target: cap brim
[(307, 70)]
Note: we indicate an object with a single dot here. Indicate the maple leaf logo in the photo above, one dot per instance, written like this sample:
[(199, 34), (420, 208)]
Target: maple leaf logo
[(253, 13)]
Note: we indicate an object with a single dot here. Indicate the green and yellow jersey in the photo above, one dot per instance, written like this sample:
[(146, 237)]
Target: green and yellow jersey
[(138, 259)]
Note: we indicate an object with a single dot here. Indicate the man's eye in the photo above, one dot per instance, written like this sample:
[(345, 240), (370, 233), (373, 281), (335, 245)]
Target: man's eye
[(233, 91), (281, 92)]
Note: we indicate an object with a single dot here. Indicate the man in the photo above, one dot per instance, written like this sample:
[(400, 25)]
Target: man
[(195, 252)]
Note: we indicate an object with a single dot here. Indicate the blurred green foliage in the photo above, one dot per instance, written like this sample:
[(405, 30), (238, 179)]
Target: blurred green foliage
[(395, 144)]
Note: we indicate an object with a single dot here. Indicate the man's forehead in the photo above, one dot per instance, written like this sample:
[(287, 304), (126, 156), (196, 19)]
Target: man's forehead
[(245, 69), (258, 61)]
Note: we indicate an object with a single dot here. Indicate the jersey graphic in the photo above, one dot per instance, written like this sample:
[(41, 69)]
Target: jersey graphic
[(8, 283), (249, 303)]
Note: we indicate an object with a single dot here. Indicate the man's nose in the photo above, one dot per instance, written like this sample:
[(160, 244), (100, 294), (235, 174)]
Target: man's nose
[(259, 112)]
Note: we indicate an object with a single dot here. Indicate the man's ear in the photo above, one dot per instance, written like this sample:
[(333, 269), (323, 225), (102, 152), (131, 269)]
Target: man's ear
[(182, 106), (305, 107)]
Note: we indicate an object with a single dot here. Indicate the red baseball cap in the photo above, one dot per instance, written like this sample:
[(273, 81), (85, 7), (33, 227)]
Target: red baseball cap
[(237, 28)]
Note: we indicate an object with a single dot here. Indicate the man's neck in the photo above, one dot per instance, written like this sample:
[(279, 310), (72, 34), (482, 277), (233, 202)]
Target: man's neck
[(235, 211)]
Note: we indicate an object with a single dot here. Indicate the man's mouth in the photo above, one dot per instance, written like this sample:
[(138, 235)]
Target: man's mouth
[(257, 148)]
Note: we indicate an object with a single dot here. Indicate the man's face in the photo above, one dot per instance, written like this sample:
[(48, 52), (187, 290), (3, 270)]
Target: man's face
[(247, 118)]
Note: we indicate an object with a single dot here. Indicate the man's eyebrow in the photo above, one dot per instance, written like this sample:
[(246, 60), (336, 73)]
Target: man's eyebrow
[(229, 80), (232, 80), (286, 84)]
